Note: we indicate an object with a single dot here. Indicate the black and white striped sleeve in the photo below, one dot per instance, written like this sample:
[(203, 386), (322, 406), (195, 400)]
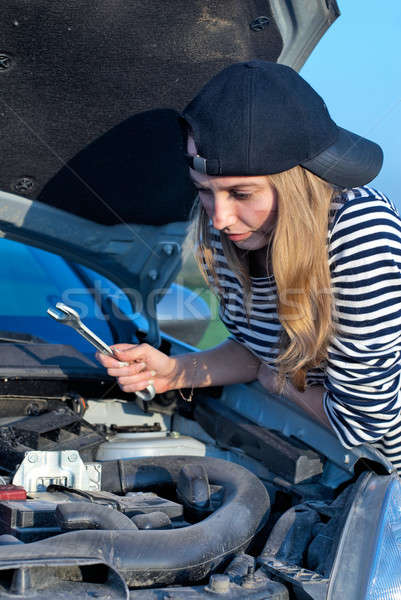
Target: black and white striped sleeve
[(362, 378)]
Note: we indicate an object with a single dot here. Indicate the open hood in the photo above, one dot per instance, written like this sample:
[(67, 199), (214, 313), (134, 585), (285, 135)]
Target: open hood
[(91, 149), (142, 260)]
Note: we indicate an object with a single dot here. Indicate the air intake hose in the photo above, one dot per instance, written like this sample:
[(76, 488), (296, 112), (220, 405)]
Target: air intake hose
[(84, 515), (163, 557)]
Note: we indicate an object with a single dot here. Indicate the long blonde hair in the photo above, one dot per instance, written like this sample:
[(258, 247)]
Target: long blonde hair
[(298, 251)]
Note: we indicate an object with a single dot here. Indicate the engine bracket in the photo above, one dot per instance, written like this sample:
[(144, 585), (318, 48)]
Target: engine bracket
[(39, 469)]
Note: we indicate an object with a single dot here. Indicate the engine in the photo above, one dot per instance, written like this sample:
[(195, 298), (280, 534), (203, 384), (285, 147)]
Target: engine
[(100, 499)]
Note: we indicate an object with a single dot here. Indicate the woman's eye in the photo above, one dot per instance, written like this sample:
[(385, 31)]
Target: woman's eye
[(241, 195)]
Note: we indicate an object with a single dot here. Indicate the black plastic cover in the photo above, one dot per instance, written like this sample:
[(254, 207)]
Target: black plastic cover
[(28, 520), (290, 459), (55, 430)]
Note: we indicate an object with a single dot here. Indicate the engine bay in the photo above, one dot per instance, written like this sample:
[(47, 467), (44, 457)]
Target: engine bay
[(103, 496), (99, 496)]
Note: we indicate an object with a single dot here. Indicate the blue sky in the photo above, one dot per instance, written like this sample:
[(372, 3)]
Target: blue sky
[(356, 68)]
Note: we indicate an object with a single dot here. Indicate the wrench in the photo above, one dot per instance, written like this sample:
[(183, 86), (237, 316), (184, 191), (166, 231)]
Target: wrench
[(68, 316)]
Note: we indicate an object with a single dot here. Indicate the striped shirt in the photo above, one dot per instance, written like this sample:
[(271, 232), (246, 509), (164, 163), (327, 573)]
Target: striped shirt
[(361, 377)]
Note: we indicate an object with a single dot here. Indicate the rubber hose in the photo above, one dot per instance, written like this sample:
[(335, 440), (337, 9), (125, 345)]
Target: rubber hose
[(86, 515), (164, 557)]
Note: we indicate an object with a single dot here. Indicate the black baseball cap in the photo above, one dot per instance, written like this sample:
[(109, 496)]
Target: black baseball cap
[(260, 118)]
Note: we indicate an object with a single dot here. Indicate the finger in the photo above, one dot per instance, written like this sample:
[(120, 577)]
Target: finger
[(124, 370), (144, 377), (108, 361), (131, 352), (123, 347), (136, 387)]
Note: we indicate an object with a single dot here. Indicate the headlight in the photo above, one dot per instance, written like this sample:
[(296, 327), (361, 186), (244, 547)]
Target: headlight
[(368, 561), (385, 577)]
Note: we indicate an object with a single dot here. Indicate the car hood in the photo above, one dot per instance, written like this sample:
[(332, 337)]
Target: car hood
[(141, 259), (92, 164)]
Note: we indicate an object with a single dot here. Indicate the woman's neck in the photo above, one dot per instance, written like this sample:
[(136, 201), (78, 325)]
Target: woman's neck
[(257, 262)]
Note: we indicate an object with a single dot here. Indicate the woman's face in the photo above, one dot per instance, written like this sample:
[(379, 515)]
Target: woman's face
[(244, 208)]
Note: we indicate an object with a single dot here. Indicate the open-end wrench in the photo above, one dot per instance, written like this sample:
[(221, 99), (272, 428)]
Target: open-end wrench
[(68, 316)]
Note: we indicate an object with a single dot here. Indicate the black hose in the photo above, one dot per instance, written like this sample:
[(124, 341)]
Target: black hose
[(163, 557), (84, 515)]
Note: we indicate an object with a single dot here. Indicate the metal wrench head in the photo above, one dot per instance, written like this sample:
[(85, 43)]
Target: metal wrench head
[(68, 316), (65, 314)]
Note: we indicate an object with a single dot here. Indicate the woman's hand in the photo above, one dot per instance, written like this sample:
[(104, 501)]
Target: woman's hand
[(138, 366)]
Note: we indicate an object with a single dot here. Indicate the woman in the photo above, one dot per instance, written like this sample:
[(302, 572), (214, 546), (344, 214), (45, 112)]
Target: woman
[(305, 260)]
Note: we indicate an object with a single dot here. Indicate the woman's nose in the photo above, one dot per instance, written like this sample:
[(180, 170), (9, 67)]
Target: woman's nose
[(223, 213)]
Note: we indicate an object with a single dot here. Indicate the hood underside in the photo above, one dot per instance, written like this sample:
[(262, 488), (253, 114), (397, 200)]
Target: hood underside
[(74, 75), (89, 113)]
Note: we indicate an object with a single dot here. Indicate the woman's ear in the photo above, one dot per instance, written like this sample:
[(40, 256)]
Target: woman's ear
[(191, 148)]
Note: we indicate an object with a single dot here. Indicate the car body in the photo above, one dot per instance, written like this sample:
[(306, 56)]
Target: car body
[(235, 495), (34, 279)]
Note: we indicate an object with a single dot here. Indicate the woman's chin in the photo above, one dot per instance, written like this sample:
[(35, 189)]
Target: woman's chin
[(253, 242)]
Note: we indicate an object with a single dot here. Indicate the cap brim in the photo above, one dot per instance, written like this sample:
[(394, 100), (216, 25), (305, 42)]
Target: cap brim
[(351, 161)]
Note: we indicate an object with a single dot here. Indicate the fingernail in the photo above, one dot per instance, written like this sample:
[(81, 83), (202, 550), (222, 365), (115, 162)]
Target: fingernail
[(123, 364), (151, 381), (153, 373)]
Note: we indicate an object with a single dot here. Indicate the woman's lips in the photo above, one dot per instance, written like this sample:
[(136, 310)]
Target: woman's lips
[(236, 237)]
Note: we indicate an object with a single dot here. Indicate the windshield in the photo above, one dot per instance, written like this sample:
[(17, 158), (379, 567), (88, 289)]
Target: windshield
[(31, 280)]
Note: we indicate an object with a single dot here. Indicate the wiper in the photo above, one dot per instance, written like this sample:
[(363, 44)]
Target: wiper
[(20, 338)]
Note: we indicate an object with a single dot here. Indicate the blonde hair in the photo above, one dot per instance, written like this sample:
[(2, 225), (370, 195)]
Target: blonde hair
[(298, 249)]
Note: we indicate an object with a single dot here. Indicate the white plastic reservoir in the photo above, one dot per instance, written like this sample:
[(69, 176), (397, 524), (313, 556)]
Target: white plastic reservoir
[(162, 443)]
